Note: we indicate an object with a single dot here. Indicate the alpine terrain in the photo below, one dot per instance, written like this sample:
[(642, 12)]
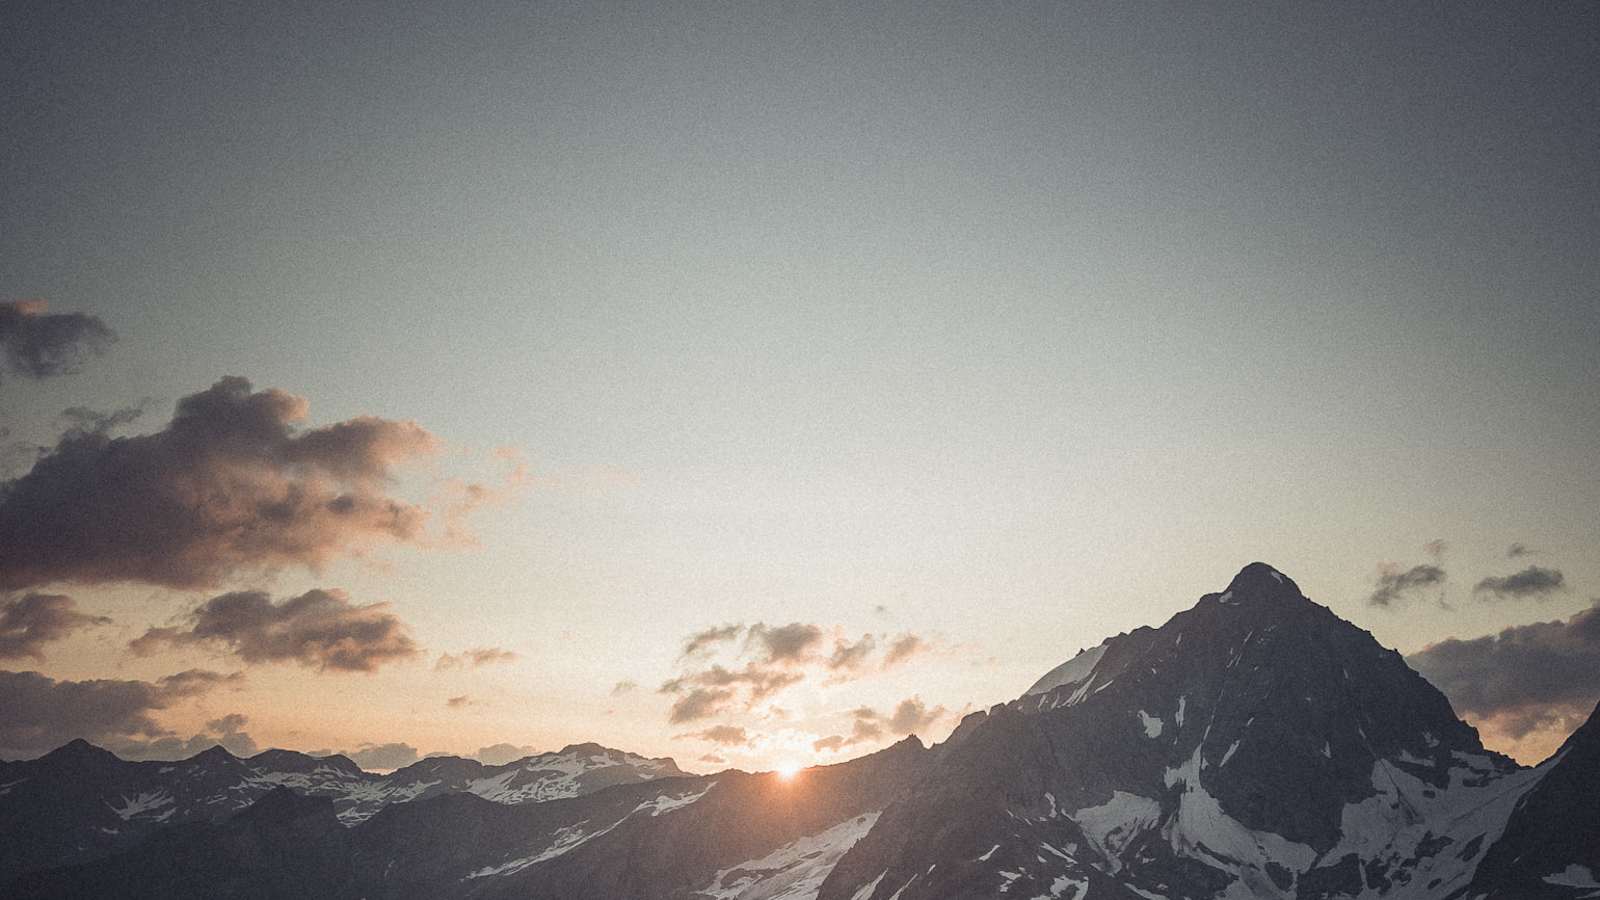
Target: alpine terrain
[(1254, 746)]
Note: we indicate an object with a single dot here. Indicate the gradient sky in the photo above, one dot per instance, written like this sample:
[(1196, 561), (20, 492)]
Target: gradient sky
[(1011, 327)]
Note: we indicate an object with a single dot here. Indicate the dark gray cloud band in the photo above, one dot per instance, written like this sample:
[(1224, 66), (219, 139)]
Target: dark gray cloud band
[(40, 344), (1526, 677), (42, 713), (229, 485), (1532, 583), (321, 629)]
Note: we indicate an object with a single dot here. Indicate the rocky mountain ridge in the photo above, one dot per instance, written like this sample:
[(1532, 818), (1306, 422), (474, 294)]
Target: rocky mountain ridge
[(80, 802), (1254, 746)]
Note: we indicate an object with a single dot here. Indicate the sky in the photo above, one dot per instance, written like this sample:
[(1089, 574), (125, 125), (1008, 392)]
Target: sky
[(396, 379)]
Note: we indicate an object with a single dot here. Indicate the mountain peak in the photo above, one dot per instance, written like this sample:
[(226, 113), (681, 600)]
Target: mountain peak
[(1259, 580), (80, 749), (214, 754)]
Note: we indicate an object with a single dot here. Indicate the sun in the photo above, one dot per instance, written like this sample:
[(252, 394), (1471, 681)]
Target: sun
[(787, 771)]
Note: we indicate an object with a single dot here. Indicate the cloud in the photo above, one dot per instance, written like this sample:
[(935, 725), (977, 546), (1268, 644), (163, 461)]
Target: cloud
[(229, 486), (40, 344), (384, 756), (29, 622), (480, 656), (731, 735), (708, 691), (912, 715), (1524, 679), (458, 702), (903, 648), (500, 754), (42, 713), (1394, 585), (624, 687), (1519, 549), (785, 643), (194, 682), (226, 732), (699, 703), (868, 725), (1534, 581), (320, 629), (714, 759), (701, 641), (847, 656), (717, 670)]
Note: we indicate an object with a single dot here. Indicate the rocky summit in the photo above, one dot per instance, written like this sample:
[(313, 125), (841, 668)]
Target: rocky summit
[(1254, 746)]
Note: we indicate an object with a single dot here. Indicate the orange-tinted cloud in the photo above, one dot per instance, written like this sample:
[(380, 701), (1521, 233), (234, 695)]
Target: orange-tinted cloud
[(769, 659), (1529, 684), (29, 622), (868, 725)]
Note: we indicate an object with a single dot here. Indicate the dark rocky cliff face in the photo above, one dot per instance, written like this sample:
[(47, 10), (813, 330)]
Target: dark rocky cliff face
[(285, 845)]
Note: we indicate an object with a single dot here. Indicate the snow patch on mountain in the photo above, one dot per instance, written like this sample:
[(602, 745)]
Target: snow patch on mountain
[(1112, 825), (667, 803), (1074, 671), (1201, 830), (1576, 876), (1436, 836), (869, 888), (1152, 724), (571, 837), (144, 805), (794, 871)]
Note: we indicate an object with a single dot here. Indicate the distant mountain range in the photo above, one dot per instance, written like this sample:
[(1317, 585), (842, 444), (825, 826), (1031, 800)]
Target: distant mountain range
[(80, 802), (1254, 746)]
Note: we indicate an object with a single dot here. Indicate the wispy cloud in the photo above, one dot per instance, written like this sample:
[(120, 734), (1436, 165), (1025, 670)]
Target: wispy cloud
[(867, 725), (1395, 585), (1534, 582), (474, 658), (29, 622), (727, 665), (320, 629), (728, 735)]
